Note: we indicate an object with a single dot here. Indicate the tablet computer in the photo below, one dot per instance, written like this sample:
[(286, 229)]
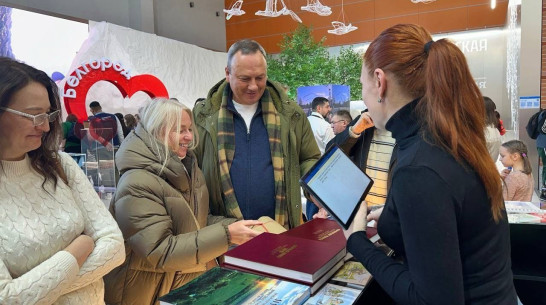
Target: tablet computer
[(338, 184)]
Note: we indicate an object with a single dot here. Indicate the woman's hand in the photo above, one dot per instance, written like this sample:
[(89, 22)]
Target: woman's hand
[(374, 215), (359, 222), (80, 248), (240, 232), (363, 123)]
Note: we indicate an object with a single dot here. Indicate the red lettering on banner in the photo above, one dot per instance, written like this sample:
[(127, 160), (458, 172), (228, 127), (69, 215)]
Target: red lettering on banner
[(81, 80)]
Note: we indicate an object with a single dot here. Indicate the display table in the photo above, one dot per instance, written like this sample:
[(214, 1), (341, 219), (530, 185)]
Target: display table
[(528, 243)]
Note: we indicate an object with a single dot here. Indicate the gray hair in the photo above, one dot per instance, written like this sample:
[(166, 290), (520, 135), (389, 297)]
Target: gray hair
[(160, 117), (344, 115), (246, 46)]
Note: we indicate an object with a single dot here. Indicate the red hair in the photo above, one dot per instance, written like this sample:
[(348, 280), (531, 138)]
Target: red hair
[(451, 107)]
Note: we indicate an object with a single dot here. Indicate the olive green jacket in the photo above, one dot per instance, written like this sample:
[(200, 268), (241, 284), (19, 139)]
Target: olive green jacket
[(298, 144), (164, 217)]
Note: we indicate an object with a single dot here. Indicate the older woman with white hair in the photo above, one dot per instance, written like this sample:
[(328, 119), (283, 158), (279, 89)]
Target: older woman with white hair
[(162, 207)]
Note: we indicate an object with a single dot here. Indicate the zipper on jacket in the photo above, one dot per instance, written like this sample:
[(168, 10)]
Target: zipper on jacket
[(192, 185)]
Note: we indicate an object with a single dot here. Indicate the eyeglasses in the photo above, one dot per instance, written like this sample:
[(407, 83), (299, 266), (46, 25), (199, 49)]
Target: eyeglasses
[(335, 122), (37, 120)]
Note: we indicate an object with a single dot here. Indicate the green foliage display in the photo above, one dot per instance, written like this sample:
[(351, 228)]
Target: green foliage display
[(305, 62)]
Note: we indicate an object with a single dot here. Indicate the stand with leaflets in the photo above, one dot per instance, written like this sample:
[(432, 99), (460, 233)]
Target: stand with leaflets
[(99, 164)]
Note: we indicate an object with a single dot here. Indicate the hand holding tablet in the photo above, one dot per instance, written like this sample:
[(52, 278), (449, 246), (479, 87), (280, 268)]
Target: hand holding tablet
[(338, 185)]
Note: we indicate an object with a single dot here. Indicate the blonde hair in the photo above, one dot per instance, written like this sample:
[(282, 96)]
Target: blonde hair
[(160, 117)]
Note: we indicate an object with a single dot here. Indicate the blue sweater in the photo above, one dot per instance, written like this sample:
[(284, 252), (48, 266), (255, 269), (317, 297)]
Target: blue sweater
[(252, 169)]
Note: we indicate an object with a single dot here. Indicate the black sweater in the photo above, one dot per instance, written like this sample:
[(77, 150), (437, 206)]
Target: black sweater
[(437, 216)]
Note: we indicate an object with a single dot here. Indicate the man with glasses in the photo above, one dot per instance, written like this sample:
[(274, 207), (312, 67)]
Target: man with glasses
[(340, 120), (371, 149)]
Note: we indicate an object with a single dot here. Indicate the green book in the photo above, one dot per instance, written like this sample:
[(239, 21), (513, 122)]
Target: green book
[(223, 286)]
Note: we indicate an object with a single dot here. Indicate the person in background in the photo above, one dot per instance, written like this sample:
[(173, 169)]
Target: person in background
[(130, 121), (121, 121), (541, 150), (500, 125), (161, 206), (256, 144), (492, 134), (444, 215), (371, 149), (340, 121), (319, 125), (71, 128), (517, 176), (57, 239), (102, 120), (137, 118)]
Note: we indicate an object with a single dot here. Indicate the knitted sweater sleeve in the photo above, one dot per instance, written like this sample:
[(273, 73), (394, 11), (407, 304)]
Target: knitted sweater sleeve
[(99, 224), (41, 285)]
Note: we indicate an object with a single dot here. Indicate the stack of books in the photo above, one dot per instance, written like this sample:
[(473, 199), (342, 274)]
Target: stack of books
[(221, 286), (284, 268), (309, 254)]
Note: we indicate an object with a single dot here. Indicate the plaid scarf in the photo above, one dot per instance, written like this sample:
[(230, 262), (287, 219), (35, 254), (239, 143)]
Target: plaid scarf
[(226, 151)]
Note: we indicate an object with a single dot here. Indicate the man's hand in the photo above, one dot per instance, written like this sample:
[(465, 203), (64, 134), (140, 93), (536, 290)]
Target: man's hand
[(363, 123)]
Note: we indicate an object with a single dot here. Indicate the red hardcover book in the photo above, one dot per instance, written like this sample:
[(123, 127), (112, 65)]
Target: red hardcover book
[(291, 257), (320, 229), (314, 286), (326, 230)]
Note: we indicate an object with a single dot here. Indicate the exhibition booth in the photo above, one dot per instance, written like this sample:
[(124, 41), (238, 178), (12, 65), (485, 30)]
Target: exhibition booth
[(123, 68)]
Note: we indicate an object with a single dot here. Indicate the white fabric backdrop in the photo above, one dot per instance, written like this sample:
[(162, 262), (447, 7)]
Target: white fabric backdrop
[(187, 71)]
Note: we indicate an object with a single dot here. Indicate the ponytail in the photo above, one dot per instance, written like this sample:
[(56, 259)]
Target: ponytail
[(518, 147), (451, 105), (453, 113)]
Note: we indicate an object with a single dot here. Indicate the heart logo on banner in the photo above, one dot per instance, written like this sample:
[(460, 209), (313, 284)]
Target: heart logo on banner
[(81, 80)]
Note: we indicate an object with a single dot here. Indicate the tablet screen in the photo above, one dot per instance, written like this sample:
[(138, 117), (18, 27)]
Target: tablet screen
[(338, 184)]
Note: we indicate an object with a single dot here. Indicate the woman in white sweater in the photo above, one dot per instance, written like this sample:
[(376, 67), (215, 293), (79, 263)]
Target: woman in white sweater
[(57, 238)]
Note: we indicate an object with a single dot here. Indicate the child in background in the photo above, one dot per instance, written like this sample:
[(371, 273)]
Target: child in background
[(518, 180)]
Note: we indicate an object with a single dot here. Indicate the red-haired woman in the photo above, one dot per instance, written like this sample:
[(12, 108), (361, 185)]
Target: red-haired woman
[(444, 212)]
